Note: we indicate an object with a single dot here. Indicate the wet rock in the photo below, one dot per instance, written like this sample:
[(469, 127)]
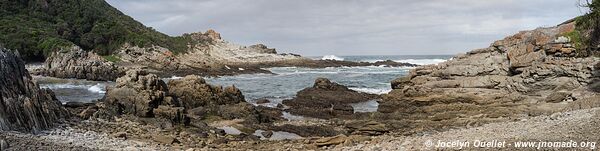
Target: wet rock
[(261, 48), (262, 101), (77, 104), (326, 99), (25, 107), (77, 63), (267, 134)]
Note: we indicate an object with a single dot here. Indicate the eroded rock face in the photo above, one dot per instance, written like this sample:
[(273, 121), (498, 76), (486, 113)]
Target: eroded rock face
[(528, 74), (193, 91), (77, 63), (326, 99), (189, 100), (23, 105), (138, 93)]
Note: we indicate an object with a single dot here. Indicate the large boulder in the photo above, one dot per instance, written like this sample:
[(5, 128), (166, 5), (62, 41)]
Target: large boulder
[(189, 100), (326, 99), (77, 63), (193, 91), (139, 93), (23, 105)]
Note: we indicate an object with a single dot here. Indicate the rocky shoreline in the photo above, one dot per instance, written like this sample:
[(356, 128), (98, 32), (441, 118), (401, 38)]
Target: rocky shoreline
[(530, 81), (211, 56)]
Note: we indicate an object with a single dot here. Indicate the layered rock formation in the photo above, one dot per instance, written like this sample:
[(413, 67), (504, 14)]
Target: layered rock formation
[(326, 100), (75, 62), (527, 74), (23, 105)]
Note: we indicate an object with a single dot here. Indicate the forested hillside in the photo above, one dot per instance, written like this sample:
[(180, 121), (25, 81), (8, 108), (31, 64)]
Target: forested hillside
[(37, 27)]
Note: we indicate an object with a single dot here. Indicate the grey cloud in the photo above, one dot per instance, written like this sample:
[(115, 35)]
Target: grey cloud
[(353, 27)]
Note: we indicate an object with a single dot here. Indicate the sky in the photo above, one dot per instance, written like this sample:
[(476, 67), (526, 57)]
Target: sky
[(353, 27)]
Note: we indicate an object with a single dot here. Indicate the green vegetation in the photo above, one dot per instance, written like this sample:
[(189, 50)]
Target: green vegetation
[(587, 31), (38, 27), (112, 58)]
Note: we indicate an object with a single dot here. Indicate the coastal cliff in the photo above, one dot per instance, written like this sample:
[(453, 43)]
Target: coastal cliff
[(23, 105), (528, 74)]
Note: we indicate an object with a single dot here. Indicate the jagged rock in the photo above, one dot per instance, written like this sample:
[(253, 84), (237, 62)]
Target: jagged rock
[(155, 57), (262, 101), (326, 99), (261, 48), (175, 114), (137, 93), (193, 91), (25, 107), (77, 63), (88, 112), (267, 134)]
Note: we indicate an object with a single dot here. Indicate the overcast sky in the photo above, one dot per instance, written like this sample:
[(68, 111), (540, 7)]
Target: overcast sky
[(353, 27)]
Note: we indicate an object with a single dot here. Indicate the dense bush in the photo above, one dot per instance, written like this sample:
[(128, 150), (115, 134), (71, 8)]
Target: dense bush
[(37, 27), (588, 28)]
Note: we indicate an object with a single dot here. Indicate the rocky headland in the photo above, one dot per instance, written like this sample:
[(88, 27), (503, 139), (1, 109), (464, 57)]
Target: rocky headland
[(207, 55)]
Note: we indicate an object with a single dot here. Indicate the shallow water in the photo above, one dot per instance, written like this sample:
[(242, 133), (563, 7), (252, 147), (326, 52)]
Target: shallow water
[(74, 90), (230, 130), (277, 135), (364, 107), (281, 85)]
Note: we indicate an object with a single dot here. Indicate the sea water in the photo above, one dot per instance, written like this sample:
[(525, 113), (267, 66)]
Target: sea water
[(283, 84)]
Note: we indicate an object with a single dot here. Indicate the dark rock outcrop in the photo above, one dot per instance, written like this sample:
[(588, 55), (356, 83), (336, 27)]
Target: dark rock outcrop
[(261, 48), (144, 95), (77, 63), (189, 100), (193, 91), (23, 105), (326, 99)]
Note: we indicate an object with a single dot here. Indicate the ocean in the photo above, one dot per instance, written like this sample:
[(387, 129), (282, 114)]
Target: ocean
[(283, 84)]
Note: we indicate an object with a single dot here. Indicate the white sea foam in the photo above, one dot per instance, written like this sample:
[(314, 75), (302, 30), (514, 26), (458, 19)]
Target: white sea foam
[(291, 117), (414, 61), (372, 90), (332, 57), (422, 61), (175, 77), (98, 88), (363, 107), (63, 86)]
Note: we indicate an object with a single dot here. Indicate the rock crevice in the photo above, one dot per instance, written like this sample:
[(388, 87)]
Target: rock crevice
[(23, 105)]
